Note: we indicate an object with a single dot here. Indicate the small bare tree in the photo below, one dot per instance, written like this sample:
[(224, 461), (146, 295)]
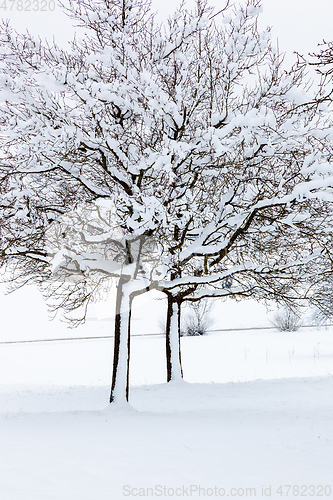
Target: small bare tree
[(287, 320), (198, 320)]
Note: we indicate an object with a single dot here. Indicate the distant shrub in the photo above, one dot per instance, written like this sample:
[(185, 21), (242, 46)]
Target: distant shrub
[(198, 320), (287, 320)]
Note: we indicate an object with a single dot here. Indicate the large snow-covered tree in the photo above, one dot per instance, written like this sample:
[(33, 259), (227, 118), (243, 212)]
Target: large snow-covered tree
[(190, 132)]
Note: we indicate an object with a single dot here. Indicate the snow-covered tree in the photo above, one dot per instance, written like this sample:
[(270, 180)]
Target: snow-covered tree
[(190, 132), (262, 215)]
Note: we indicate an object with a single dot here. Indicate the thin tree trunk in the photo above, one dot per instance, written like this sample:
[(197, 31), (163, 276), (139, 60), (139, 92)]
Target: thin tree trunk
[(120, 376), (128, 345), (173, 355)]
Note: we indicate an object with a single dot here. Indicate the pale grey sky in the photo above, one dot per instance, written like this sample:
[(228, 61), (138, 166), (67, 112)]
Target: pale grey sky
[(298, 24)]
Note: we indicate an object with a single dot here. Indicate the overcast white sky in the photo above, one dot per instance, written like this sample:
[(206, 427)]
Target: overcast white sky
[(299, 24)]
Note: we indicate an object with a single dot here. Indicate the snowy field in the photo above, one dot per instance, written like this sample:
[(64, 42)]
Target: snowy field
[(253, 419)]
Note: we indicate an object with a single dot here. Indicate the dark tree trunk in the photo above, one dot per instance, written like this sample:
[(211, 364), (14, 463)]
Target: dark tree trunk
[(120, 376), (173, 353), (128, 346)]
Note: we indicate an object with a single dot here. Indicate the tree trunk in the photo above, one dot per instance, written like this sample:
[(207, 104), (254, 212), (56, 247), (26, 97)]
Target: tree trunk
[(120, 376), (173, 355)]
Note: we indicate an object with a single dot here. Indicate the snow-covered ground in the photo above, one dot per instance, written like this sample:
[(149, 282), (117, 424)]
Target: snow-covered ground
[(61, 443), (255, 412)]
